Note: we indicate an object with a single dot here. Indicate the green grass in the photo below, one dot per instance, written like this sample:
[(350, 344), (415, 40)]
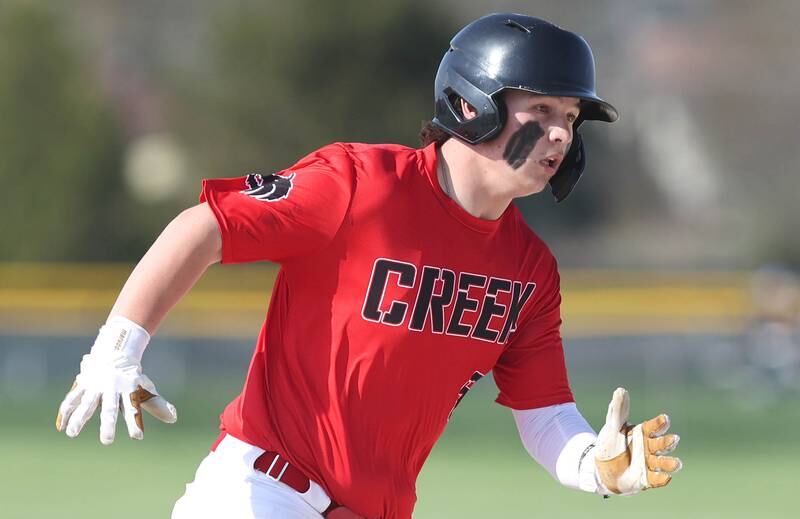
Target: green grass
[(738, 463)]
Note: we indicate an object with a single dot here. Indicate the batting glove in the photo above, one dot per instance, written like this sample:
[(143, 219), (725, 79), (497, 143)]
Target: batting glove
[(630, 458), (111, 377)]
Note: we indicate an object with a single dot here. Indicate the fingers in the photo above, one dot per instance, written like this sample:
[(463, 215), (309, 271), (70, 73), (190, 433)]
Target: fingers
[(663, 463), (68, 405), (161, 409), (658, 479), (109, 411), (610, 442), (662, 444), (133, 418), (132, 406), (655, 426), (618, 409), (659, 468), (82, 413)]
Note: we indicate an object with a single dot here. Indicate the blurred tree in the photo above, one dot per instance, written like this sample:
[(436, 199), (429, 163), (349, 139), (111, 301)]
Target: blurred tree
[(284, 78), (60, 148)]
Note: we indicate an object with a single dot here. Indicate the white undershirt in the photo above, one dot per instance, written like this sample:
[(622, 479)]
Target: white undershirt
[(560, 439)]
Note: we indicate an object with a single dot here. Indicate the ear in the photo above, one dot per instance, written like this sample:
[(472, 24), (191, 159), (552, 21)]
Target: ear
[(467, 111)]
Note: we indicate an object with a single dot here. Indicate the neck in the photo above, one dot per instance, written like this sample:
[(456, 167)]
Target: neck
[(463, 176)]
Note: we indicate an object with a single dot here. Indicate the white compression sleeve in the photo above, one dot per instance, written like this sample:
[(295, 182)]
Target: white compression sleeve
[(560, 439)]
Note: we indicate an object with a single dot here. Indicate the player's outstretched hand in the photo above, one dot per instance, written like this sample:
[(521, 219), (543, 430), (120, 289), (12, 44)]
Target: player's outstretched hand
[(633, 458), (111, 377)]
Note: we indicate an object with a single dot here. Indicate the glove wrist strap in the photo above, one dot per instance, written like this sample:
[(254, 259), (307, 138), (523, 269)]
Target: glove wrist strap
[(123, 336), (588, 477)]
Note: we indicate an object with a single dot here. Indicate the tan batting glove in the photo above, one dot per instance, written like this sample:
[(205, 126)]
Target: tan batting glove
[(111, 376), (629, 458)]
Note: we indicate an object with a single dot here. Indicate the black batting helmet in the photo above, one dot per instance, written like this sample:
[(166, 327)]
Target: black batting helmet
[(513, 51)]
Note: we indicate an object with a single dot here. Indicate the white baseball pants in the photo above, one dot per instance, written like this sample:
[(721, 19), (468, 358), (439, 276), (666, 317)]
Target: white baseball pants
[(227, 485)]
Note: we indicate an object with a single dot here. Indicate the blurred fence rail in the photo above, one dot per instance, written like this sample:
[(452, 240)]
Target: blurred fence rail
[(73, 299)]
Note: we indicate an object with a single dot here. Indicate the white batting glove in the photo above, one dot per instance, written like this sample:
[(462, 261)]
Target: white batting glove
[(629, 458), (111, 376)]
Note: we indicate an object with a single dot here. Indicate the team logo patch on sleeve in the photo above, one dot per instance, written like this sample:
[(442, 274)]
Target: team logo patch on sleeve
[(268, 189)]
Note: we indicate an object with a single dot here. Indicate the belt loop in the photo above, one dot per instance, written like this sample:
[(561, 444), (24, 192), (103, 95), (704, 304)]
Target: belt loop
[(272, 465), (285, 466), (274, 461)]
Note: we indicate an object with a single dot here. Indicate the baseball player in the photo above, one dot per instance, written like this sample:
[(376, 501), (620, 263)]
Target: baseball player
[(406, 276)]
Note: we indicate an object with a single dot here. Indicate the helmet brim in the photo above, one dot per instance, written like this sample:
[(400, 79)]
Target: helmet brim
[(592, 107), (596, 109)]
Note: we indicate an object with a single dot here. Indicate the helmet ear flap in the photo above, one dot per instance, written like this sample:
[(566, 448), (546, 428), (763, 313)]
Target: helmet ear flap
[(581, 117), (570, 171)]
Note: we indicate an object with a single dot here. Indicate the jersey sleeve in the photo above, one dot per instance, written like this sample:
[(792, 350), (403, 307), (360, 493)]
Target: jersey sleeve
[(284, 215), (531, 372)]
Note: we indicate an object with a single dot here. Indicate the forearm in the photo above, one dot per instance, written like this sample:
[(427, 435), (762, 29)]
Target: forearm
[(111, 373), (174, 263), (558, 438)]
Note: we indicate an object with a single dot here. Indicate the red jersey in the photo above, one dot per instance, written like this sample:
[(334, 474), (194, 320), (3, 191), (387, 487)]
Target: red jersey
[(391, 302)]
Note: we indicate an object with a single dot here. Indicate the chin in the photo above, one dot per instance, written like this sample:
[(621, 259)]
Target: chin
[(536, 184), (532, 189), (538, 190), (530, 182)]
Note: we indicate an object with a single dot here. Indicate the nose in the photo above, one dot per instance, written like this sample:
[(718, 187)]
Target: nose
[(560, 134)]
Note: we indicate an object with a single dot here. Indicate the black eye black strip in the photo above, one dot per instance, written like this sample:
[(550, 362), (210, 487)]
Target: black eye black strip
[(521, 144)]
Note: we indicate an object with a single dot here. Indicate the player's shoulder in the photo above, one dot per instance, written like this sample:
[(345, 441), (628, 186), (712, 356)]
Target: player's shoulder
[(361, 155), (334, 154), (362, 148), (379, 156), (534, 248)]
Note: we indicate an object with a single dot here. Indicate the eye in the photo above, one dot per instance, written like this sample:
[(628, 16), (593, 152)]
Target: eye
[(572, 118), (542, 109)]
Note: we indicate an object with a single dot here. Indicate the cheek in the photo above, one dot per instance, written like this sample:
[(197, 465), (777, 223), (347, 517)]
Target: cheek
[(521, 143)]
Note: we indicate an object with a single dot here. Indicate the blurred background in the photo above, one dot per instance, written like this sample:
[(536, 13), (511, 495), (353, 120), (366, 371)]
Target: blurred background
[(679, 249)]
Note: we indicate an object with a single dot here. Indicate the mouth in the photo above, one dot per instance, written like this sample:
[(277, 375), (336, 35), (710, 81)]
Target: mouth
[(551, 163)]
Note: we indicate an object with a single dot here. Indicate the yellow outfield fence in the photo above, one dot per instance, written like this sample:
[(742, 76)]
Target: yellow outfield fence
[(230, 301)]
